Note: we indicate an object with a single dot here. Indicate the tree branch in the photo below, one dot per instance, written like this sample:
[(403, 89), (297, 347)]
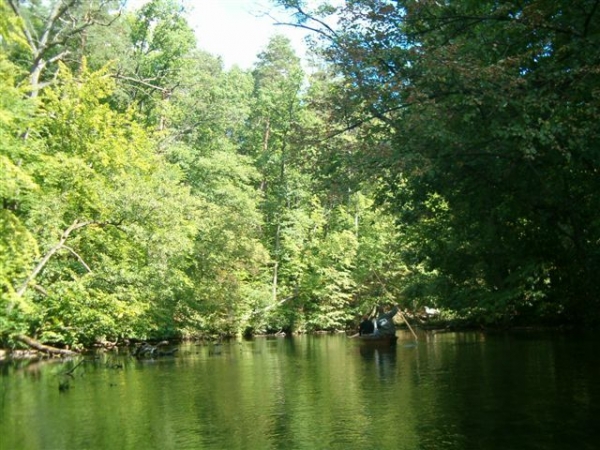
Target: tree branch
[(61, 244), (142, 82), (324, 29), (304, 27), (41, 290), (14, 6), (74, 226), (74, 253)]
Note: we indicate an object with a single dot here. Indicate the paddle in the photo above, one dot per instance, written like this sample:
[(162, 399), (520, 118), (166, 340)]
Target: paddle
[(408, 325)]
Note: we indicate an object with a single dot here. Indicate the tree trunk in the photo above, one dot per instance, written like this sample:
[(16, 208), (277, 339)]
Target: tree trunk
[(45, 348)]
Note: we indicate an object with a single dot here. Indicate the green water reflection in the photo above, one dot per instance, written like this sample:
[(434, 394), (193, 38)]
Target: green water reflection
[(451, 391)]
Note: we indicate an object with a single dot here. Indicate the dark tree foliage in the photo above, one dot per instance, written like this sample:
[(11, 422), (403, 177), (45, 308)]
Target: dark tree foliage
[(489, 154)]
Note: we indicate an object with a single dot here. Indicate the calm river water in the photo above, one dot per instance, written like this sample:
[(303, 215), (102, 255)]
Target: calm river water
[(449, 391)]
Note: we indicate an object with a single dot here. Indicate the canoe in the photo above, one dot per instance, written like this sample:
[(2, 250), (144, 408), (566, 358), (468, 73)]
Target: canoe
[(370, 339)]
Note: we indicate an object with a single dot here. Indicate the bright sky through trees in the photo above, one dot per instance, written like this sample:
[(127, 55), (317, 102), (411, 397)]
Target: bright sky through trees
[(237, 30)]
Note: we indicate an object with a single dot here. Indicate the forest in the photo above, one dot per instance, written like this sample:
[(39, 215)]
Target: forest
[(434, 153)]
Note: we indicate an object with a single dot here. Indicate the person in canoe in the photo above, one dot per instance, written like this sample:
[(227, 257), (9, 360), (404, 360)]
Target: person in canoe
[(367, 326), (384, 325)]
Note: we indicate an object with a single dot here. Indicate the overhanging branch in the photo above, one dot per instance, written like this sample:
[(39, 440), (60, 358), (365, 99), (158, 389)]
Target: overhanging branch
[(79, 258), (76, 225)]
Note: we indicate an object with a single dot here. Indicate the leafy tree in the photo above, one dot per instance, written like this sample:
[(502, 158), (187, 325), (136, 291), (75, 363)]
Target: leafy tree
[(18, 189), (52, 29), (109, 220), (277, 82), (488, 149), (204, 124), (162, 43)]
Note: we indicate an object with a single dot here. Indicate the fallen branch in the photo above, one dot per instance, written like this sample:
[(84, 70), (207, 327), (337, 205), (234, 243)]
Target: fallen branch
[(45, 348)]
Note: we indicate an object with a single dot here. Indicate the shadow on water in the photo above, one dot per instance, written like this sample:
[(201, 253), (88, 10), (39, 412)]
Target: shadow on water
[(381, 359)]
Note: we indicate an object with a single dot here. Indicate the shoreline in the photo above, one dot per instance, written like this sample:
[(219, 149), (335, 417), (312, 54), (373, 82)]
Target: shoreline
[(23, 354)]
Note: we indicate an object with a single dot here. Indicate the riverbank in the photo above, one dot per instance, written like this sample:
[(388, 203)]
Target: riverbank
[(129, 345)]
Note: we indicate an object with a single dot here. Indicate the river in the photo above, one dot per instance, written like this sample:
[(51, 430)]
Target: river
[(516, 390)]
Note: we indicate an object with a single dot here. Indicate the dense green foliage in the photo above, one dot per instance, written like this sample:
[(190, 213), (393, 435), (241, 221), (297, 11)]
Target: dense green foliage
[(480, 121), (445, 154)]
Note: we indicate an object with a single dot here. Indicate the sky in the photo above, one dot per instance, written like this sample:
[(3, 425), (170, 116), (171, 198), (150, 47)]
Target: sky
[(237, 30)]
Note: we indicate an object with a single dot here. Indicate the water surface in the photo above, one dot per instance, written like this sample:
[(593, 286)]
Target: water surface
[(448, 391)]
